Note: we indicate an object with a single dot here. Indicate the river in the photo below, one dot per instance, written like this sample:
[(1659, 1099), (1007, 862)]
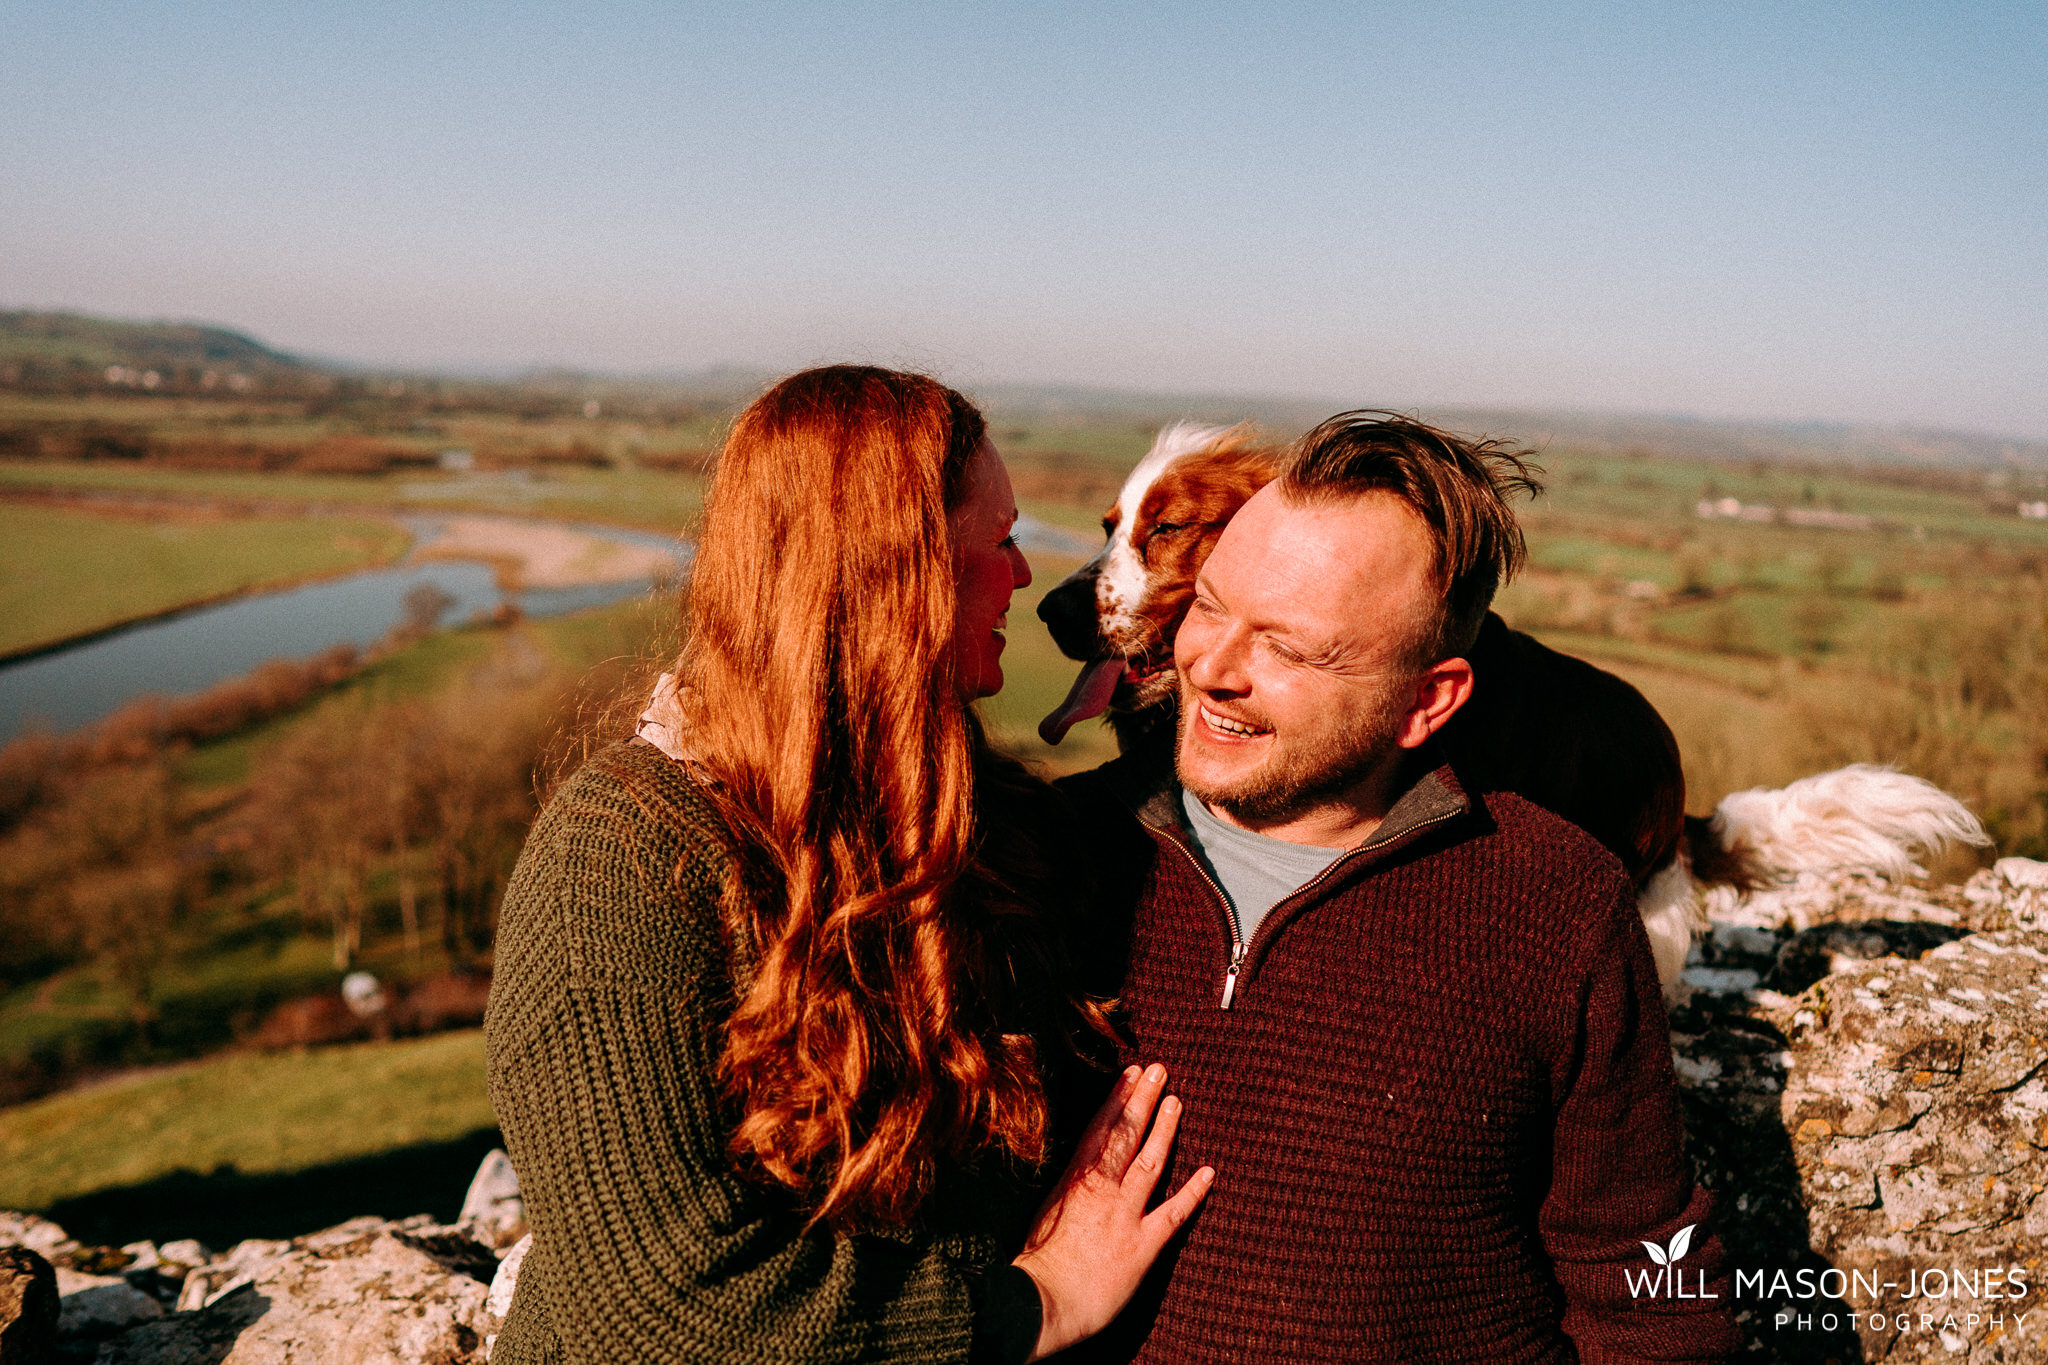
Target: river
[(193, 650)]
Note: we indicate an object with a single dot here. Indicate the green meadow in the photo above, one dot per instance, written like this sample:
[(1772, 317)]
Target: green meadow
[(64, 572), (259, 1114)]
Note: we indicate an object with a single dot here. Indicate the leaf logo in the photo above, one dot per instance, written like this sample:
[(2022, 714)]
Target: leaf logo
[(1680, 1241)]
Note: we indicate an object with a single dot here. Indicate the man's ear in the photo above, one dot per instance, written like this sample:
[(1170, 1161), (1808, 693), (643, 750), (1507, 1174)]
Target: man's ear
[(1439, 692)]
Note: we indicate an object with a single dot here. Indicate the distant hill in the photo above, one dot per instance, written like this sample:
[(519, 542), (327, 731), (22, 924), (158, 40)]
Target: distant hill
[(73, 352), (1821, 443), (73, 339), (1610, 433)]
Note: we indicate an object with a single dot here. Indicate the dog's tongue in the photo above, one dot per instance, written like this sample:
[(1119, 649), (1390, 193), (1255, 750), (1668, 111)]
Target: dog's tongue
[(1088, 699)]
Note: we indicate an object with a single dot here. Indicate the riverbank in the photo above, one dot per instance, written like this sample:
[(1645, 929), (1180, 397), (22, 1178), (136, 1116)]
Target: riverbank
[(69, 574), (545, 554), (110, 534), (258, 922), (459, 568)]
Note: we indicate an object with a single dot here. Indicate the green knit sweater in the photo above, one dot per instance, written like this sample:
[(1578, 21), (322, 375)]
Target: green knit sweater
[(604, 1029)]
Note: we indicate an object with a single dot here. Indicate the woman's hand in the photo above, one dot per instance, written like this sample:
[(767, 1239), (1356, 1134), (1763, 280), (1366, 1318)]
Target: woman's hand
[(1094, 1241)]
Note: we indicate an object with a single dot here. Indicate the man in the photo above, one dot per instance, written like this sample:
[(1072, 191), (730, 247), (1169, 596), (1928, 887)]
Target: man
[(1417, 1030)]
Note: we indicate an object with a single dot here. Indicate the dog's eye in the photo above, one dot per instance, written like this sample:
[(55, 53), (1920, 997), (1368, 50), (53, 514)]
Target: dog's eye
[(1167, 528)]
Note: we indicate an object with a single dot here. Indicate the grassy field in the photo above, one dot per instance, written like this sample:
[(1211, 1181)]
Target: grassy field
[(1036, 677), (64, 572), (284, 423), (261, 1114), (655, 500), (255, 1145)]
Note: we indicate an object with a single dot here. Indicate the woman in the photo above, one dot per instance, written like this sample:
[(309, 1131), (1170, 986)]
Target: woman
[(777, 1010)]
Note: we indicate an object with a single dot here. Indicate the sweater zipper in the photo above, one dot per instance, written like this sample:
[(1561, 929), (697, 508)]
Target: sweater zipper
[(1237, 943), (1236, 961), (1239, 949)]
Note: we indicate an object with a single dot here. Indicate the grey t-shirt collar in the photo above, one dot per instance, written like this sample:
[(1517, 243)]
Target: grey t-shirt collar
[(1256, 871)]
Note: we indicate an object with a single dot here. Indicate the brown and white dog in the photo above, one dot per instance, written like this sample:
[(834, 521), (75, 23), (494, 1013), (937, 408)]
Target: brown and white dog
[(1554, 729)]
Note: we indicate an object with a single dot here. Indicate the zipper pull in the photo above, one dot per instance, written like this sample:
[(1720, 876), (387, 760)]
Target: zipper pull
[(1230, 978)]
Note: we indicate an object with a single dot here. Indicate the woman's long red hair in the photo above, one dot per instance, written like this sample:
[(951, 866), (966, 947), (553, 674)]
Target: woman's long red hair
[(880, 959)]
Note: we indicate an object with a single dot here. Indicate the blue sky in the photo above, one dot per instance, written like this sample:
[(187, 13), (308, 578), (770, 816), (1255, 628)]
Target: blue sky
[(1760, 210)]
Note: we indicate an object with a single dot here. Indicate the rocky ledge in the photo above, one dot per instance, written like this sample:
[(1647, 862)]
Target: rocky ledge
[(370, 1291), (1861, 1068), (1861, 1065)]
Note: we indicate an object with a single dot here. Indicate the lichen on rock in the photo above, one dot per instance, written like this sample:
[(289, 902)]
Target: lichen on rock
[(1877, 1104), (371, 1291)]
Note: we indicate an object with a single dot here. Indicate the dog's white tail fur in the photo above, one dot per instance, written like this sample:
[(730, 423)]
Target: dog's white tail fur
[(1859, 818), (1862, 818), (1672, 914)]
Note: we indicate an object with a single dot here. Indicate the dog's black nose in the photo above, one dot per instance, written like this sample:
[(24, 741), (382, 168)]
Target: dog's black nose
[(1069, 613)]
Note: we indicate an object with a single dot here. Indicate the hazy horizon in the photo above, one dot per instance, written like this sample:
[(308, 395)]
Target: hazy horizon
[(1742, 215)]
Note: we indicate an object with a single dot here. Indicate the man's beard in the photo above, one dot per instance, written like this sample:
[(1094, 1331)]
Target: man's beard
[(1301, 773)]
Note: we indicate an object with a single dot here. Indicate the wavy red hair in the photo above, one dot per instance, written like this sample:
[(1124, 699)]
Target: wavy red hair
[(880, 956)]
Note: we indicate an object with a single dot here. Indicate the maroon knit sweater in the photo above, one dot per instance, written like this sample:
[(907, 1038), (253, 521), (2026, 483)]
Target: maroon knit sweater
[(1440, 1106)]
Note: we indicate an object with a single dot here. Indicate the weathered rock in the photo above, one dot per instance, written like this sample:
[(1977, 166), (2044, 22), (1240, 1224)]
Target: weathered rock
[(28, 1307), (498, 1306), (1865, 1082), (1847, 897), (95, 1307), (160, 1271), (493, 1204), (506, 1282), (206, 1338), (62, 1250), (39, 1235), (204, 1284), (177, 1259), (364, 1293), (2018, 887), (2010, 894)]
